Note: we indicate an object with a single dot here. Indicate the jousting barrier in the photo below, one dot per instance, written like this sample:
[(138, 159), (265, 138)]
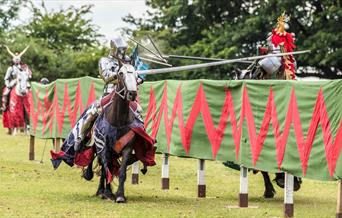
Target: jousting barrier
[(271, 125)]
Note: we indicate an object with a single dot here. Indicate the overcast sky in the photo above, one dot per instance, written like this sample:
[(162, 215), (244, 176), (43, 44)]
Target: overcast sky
[(107, 14)]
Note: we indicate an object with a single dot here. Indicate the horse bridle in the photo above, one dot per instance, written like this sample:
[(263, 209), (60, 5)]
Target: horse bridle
[(124, 90)]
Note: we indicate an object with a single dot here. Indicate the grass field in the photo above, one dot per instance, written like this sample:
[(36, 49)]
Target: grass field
[(34, 189)]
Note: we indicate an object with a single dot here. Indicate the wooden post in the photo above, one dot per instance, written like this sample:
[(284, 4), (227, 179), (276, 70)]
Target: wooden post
[(200, 179), (288, 195), (135, 173), (31, 152), (165, 180), (339, 200), (243, 195), (57, 144)]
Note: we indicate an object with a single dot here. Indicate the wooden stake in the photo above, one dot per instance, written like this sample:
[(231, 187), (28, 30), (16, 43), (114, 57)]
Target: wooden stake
[(288, 195), (165, 180), (31, 153), (200, 179), (57, 143), (243, 195)]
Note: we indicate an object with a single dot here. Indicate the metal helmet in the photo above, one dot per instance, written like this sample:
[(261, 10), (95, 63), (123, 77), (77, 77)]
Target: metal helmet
[(118, 46), (44, 81)]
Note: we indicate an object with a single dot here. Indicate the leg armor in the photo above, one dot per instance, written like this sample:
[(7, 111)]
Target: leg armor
[(84, 125), (88, 123)]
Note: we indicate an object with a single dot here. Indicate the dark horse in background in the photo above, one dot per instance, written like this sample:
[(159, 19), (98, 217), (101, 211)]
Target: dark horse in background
[(254, 71), (116, 133)]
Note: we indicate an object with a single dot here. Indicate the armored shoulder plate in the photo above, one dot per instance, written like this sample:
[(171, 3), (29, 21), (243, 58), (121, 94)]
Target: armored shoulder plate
[(108, 64), (10, 75), (108, 69)]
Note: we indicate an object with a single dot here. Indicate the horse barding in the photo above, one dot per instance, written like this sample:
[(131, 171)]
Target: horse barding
[(117, 133), (17, 114)]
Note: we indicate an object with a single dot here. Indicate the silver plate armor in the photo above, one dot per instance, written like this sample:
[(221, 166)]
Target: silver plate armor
[(118, 47), (108, 68), (11, 75), (270, 64), (117, 42)]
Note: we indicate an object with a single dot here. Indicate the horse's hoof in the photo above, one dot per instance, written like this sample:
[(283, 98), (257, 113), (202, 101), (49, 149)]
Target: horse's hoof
[(269, 194), (296, 184), (296, 187), (280, 182), (99, 192), (88, 174), (108, 196), (144, 171), (120, 199)]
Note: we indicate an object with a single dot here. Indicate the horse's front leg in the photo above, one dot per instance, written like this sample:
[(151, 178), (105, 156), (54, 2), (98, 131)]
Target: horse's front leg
[(104, 189), (101, 187), (280, 179), (269, 189), (126, 156), (144, 169)]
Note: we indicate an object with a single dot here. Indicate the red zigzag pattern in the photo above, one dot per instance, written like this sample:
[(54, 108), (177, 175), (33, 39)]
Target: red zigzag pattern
[(216, 134), (51, 109)]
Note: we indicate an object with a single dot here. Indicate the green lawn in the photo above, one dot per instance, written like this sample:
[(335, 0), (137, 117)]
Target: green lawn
[(34, 189)]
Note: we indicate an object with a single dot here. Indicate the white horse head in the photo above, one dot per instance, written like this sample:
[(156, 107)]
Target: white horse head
[(128, 81), (23, 81)]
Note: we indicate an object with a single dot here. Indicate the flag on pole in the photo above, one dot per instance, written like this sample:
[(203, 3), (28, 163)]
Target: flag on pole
[(138, 63)]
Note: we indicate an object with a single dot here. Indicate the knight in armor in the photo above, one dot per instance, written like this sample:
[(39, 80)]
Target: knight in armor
[(44, 81), (11, 76), (278, 41), (108, 68), (282, 41)]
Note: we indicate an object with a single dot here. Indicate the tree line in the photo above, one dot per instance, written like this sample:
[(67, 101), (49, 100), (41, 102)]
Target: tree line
[(234, 28), (63, 43)]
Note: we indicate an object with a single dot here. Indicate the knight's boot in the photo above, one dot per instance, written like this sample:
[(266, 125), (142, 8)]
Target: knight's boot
[(86, 127)]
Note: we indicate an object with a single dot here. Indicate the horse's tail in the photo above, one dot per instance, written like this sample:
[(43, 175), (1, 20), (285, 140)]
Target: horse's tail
[(88, 173)]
